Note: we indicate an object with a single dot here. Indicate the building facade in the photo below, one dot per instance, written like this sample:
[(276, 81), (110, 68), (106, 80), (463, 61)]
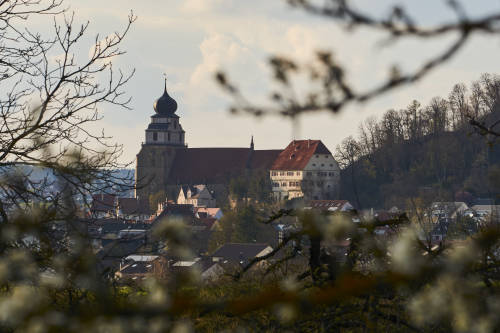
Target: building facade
[(164, 136), (306, 168)]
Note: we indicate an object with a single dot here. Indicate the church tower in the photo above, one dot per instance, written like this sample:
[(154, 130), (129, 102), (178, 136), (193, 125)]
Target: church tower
[(164, 136)]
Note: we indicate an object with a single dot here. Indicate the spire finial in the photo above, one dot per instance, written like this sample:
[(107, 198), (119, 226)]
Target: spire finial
[(165, 76), (251, 143)]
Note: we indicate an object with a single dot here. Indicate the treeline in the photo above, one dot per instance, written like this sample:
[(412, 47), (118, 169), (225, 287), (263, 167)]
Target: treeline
[(425, 150)]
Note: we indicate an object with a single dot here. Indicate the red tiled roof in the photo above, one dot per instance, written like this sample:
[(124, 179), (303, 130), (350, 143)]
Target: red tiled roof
[(215, 165), (298, 153), (263, 159)]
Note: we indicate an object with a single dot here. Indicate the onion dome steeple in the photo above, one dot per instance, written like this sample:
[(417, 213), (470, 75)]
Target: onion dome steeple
[(165, 105)]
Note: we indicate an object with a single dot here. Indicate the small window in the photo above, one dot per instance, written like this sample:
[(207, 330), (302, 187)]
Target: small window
[(175, 124), (317, 156), (155, 136), (298, 173), (168, 136), (331, 165), (314, 164), (322, 165), (309, 173)]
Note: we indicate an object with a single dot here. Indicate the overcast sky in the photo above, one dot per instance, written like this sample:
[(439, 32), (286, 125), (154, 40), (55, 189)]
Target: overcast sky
[(190, 39)]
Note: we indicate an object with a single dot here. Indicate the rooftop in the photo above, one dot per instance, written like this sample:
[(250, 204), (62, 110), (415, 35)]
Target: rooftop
[(298, 153)]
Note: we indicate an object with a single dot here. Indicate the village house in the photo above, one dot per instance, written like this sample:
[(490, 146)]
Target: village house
[(103, 206), (207, 269), (138, 267), (133, 209)]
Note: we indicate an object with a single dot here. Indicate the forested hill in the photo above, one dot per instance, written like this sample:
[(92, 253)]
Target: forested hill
[(431, 151)]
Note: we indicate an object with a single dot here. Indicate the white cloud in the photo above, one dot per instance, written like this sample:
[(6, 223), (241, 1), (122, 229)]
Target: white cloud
[(219, 51)]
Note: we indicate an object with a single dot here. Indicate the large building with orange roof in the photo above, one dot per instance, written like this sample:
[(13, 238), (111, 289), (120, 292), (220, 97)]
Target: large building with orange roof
[(304, 168)]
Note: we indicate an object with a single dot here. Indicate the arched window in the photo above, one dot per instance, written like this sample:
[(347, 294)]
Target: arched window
[(155, 136)]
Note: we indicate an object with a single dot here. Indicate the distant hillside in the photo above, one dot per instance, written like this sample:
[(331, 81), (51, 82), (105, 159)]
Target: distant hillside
[(425, 151), (123, 179)]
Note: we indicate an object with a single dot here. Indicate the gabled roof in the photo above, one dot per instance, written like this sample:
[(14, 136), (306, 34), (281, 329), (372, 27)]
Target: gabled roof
[(134, 206), (216, 165), (239, 251), (103, 202), (117, 249), (138, 267), (298, 153), (202, 264), (263, 159), (331, 205), (179, 210), (141, 257), (115, 226)]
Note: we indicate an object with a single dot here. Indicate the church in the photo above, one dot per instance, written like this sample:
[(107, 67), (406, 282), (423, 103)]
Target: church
[(306, 168)]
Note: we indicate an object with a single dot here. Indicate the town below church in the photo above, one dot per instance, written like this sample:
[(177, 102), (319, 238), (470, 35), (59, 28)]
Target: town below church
[(220, 194), (216, 192)]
